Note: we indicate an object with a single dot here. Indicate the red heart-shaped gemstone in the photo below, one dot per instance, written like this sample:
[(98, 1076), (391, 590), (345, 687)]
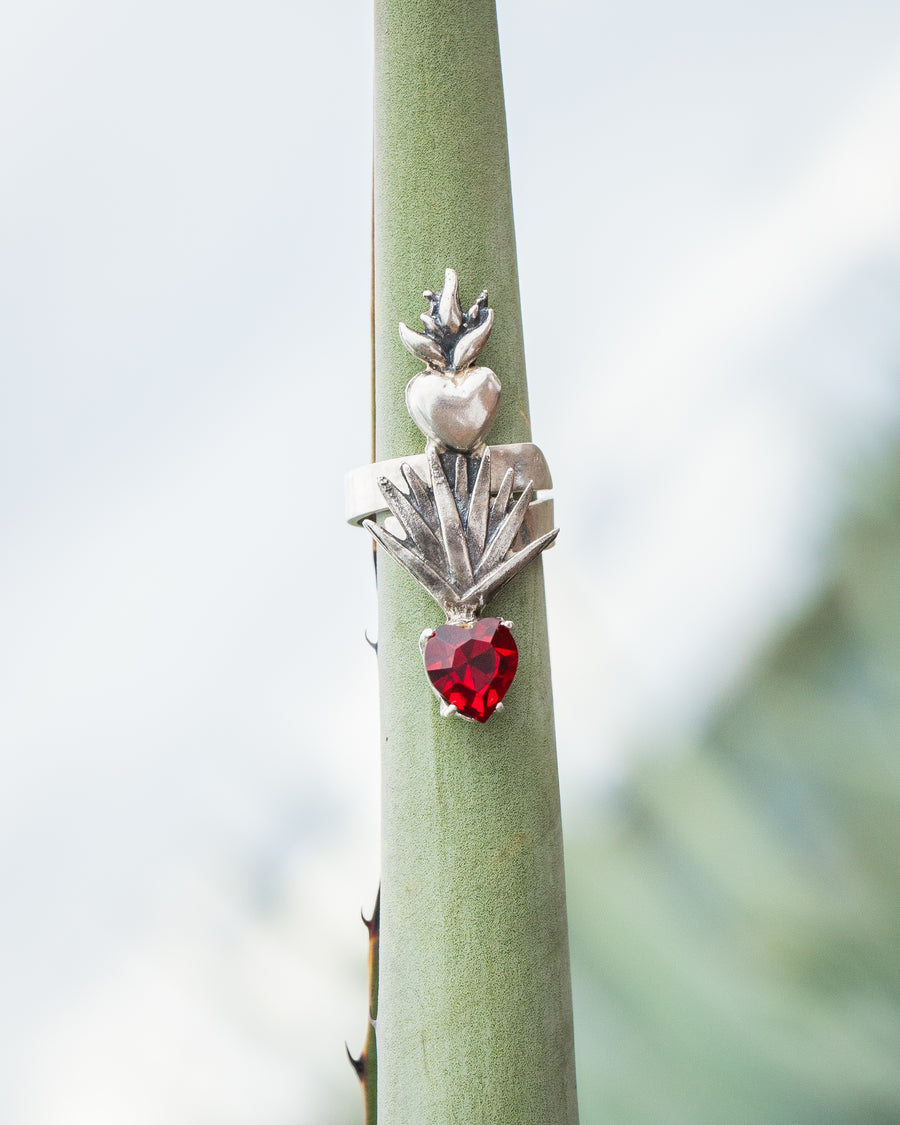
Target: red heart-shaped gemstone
[(472, 666)]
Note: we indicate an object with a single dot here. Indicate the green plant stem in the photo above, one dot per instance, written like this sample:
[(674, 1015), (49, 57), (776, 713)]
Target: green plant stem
[(475, 1022)]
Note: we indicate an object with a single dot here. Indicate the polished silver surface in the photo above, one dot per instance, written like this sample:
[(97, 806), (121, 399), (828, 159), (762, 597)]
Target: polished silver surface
[(460, 560), (455, 412)]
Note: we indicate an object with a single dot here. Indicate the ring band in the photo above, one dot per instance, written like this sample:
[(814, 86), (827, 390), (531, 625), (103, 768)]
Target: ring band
[(364, 499)]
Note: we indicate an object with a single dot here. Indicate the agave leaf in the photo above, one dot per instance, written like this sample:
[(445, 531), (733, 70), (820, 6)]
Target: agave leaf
[(469, 346), (485, 589), (449, 308), (423, 347)]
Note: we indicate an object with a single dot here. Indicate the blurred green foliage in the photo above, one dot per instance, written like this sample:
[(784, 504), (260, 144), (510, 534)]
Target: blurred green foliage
[(735, 909)]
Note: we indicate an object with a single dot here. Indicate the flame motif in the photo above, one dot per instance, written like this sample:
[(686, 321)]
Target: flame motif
[(452, 339)]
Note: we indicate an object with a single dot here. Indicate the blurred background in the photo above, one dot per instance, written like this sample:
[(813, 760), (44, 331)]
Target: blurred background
[(708, 211)]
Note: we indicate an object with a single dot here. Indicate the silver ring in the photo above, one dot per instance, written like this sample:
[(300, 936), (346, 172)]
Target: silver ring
[(464, 517)]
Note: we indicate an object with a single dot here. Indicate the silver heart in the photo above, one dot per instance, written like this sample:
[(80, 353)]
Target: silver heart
[(456, 414)]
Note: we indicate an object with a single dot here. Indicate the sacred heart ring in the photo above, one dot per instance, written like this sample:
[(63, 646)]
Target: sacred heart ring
[(462, 518)]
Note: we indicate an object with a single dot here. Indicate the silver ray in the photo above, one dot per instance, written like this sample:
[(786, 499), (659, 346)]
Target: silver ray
[(502, 539), (421, 496), (501, 502), (413, 523), (484, 590), (477, 519), (461, 481), (452, 531), (441, 590)]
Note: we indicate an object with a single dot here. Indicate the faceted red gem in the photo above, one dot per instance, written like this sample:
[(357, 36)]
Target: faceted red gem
[(472, 666)]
